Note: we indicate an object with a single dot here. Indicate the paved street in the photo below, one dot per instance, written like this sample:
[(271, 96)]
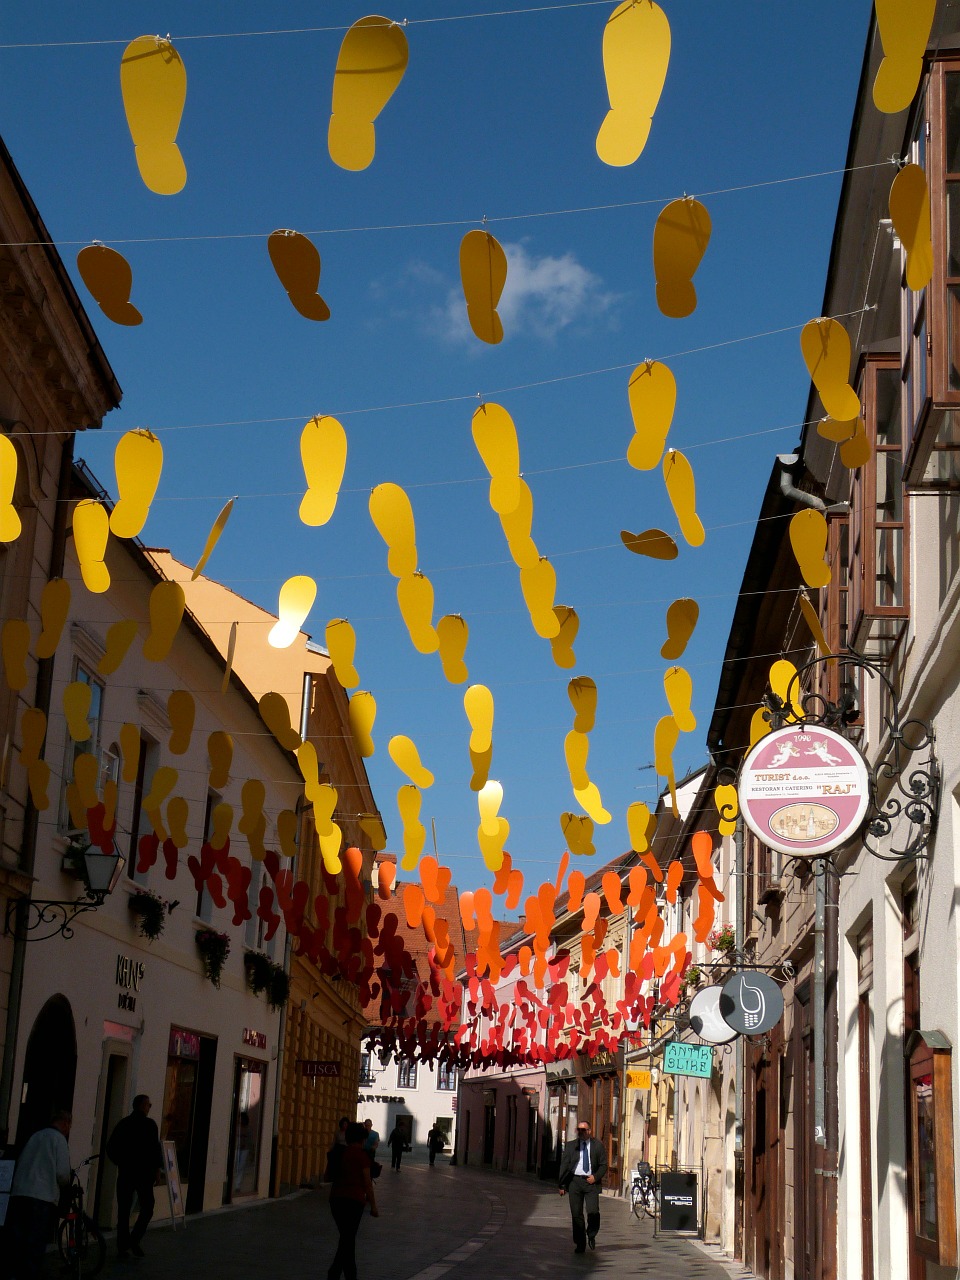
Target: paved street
[(455, 1222)]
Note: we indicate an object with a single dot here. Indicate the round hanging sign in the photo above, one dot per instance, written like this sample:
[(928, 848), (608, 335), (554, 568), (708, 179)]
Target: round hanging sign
[(706, 1021), (751, 1003), (804, 790)]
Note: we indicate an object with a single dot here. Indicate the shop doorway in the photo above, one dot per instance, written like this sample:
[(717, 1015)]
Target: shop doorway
[(489, 1129), (112, 1110), (532, 1152), (187, 1103), (49, 1068), (246, 1128)]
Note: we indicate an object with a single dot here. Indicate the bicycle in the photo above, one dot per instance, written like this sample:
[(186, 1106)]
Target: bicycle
[(643, 1191), (83, 1249)]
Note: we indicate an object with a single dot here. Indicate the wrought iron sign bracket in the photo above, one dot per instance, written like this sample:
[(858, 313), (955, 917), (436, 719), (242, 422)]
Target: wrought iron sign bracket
[(911, 785), (37, 919), (739, 960)]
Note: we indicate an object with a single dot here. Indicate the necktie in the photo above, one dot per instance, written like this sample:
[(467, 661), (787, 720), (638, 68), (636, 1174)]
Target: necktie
[(585, 1157)]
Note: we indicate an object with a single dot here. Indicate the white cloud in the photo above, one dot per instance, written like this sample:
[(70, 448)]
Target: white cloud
[(542, 296)]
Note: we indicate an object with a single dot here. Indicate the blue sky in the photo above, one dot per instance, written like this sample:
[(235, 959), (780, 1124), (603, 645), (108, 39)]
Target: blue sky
[(496, 117)]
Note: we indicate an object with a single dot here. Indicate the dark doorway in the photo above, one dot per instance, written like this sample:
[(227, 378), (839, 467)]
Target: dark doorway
[(49, 1069), (114, 1101), (187, 1102), (532, 1151), (489, 1129)]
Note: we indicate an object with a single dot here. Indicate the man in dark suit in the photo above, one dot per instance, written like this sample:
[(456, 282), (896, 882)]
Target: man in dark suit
[(582, 1167), (134, 1147)]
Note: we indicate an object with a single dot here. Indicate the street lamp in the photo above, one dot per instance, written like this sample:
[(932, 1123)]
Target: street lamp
[(37, 919)]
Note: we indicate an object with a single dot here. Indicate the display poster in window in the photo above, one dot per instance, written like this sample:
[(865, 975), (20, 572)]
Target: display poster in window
[(171, 1174), (925, 1163), (804, 790)]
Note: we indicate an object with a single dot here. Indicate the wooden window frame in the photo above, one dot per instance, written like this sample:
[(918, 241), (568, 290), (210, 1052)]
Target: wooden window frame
[(930, 1065), (874, 627)]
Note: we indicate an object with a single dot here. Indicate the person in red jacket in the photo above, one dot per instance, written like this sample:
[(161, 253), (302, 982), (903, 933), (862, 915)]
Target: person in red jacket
[(352, 1189)]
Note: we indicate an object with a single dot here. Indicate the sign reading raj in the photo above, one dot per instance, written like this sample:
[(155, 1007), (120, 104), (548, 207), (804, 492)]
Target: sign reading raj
[(804, 790), (680, 1059)]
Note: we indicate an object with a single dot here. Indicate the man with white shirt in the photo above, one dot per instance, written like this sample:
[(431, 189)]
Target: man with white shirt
[(42, 1172), (582, 1167)]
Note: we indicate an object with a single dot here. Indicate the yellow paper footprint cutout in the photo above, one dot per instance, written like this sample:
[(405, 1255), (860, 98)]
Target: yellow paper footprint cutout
[(478, 704), (641, 824), (838, 432), (491, 847), (678, 687), (220, 755), (480, 762), (91, 531), (483, 273), (178, 815), (138, 461), (808, 538), (652, 393), (856, 451), (153, 82), (120, 636), (784, 685), (538, 582), (576, 751), (371, 824), (231, 654), (760, 725), (296, 600), (221, 820), (275, 713), (517, 525), (590, 801), (213, 537), (816, 630), (910, 215), (392, 516), (109, 277), (54, 607), (680, 240), (652, 542), (323, 452), (666, 735), (404, 754), (296, 260), (77, 697), (495, 436), (362, 714), (452, 636), (409, 801), (33, 730), (342, 646), (167, 603), (904, 32), (682, 492), (10, 525), (728, 806), (636, 54), (415, 598), (15, 644), (370, 66), (682, 616), (578, 833), (561, 645), (825, 346), (582, 692), (287, 826)]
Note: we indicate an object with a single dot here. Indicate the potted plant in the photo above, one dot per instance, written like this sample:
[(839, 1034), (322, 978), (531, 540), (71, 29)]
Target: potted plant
[(214, 948), (722, 939), (259, 971), (692, 976), (72, 863), (150, 911), (279, 987)]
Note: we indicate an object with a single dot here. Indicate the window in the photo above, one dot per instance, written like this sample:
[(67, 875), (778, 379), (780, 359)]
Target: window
[(879, 519), (204, 901), (931, 318), (367, 1076), (82, 675), (407, 1075), (446, 1077), (140, 824)]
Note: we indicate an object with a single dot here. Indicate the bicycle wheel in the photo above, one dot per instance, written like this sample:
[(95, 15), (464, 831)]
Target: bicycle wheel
[(636, 1199), (650, 1201), (82, 1247)]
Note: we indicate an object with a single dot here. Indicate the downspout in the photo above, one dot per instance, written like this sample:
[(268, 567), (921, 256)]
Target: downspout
[(819, 1010), (28, 848), (789, 490), (306, 698), (739, 871)]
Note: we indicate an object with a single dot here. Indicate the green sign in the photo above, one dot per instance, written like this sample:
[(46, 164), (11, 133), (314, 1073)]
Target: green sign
[(680, 1059)]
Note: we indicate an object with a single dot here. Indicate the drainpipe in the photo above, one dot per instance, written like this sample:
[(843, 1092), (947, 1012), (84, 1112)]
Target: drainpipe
[(306, 698), (789, 490), (739, 872), (819, 1010), (28, 848)]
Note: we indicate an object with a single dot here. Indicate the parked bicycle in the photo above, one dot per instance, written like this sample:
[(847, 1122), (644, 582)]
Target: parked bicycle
[(82, 1247), (643, 1191)]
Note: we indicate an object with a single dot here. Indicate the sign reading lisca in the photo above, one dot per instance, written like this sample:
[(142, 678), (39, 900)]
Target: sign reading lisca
[(680, 1059)]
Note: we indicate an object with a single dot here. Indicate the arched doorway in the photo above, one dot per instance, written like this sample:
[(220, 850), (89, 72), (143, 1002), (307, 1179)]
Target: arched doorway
[(49, 1068)]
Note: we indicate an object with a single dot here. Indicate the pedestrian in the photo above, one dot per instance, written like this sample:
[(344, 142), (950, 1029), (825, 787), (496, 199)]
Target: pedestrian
[(134, 1147), (352, 1189), (436, 1141), (582, 1166), (372, 1139), (396, 1142), (42, 1173), (335, 1154)]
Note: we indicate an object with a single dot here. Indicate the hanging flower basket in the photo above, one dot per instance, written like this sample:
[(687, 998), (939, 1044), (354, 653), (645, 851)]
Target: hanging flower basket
[(265, 976), (214, 948), (722, 940), (279, 987), (151, 913), (692, 977)]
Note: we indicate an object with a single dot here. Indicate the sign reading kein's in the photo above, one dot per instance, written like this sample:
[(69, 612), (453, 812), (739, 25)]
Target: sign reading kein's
[(682, 1059), (804, 790)]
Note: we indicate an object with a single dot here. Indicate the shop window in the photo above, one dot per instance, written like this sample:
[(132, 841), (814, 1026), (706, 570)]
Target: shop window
[(140, 824), (879, 519), (931, 1126), (204, 908), (249, 1092), (931, 318), (83, 675), (407, 1075), (367, 1076)]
